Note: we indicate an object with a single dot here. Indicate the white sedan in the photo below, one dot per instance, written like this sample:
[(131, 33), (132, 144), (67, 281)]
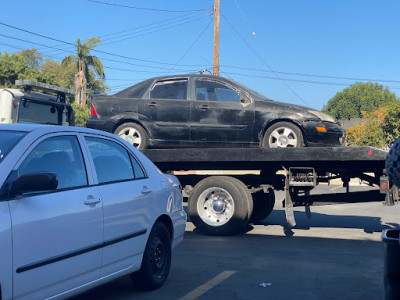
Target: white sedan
[(81, 207)]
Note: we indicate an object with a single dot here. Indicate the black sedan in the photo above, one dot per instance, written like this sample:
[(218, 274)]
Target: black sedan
[(208, 111)]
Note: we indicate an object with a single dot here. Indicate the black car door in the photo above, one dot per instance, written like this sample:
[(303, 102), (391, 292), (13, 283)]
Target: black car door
[(166, 112), (220, 115)]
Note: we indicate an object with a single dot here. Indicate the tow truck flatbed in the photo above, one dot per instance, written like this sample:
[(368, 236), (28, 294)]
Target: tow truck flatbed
[(330, 159), (224, 204)]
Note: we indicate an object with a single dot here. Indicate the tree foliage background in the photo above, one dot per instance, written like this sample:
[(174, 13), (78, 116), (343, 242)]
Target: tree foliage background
[(358, 98), (30, 64)]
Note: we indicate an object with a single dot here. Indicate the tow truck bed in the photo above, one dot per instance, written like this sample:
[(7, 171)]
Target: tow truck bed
[(224, 204)]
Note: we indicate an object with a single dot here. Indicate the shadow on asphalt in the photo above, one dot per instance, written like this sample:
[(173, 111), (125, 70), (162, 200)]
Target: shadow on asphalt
[(368, 224), (299, 268)]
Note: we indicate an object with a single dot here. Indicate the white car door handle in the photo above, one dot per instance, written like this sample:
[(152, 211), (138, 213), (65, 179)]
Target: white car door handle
[(146, 190), (91, 200)]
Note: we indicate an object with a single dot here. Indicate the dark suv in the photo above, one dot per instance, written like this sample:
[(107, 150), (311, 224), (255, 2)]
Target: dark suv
[(208, 111)]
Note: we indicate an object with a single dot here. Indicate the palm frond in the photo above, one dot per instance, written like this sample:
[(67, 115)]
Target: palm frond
[(94, 62), (68, 60)]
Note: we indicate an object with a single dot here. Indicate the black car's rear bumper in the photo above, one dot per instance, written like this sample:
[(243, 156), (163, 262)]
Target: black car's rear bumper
[(100, 124)]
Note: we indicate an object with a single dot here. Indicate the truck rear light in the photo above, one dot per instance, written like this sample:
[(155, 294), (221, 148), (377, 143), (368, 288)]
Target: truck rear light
[(93, 110), (384, 184)]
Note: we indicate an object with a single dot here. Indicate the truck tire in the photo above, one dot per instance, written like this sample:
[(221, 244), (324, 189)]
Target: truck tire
[(220, 205), (283, 135), (134, 134), (263, 204)]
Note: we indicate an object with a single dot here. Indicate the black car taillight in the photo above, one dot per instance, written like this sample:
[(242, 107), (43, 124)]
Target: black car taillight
[(93, 110)]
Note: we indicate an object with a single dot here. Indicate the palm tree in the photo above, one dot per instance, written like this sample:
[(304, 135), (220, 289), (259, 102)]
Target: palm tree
[(84, 61)]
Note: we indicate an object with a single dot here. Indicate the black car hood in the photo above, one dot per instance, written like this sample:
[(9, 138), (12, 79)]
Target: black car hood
[(285, 109)]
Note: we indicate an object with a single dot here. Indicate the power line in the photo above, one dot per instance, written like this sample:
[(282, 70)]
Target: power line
[(34, 43), (94, 50), (148, 25), (311, 75), (191, 46), (12, 46), (145, 71), (297, 80), (251, 48), (150, 9), (154, 31)]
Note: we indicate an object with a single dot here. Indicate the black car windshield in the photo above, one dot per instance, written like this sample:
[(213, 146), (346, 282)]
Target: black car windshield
[(249, 90), (8, 139)]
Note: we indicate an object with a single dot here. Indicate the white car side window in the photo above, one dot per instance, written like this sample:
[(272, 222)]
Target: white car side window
[(60, 155), (111, 161)]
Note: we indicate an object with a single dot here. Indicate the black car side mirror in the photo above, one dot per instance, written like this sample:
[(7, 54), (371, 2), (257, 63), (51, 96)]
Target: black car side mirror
[(35, 182)]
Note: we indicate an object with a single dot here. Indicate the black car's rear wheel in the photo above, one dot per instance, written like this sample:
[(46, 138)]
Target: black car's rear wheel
[(283, 135), (134, 134)]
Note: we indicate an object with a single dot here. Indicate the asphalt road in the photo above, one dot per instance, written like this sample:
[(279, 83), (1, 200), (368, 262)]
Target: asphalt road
[(337, 254)]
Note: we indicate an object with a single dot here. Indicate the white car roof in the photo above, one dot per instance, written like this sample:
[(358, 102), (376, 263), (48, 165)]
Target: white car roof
[(43, 128)]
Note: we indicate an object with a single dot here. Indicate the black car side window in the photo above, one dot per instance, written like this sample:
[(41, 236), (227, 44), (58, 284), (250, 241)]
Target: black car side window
[(171, 89), (60, 155), (214, 91), (111, 160)]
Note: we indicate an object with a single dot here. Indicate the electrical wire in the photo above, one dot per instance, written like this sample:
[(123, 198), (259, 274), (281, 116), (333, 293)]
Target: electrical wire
[(191, 46), (150, 9), (311, 75), (154, 31), (94, 50), (263, 61), (148, 25)]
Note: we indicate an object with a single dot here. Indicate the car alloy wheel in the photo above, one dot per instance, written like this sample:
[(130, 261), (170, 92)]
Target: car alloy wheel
[(283, 135), (134, 134)]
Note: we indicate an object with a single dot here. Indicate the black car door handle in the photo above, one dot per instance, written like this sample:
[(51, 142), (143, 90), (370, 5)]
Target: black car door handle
[(152, 104), (203, 107)]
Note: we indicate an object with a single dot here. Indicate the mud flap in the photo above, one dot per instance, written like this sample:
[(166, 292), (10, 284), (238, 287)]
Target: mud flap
[(289, 205)]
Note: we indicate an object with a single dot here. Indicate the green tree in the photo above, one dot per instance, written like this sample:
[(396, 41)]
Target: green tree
[(85, 62), (359, 97), (32, 58), (11, 68), (82, 113)]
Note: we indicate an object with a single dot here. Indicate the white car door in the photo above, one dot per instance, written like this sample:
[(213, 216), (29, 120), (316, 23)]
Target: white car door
[(57, 235), (127, 196)]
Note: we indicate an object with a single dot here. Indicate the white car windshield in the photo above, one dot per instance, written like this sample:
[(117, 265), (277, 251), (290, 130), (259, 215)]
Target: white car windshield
[(8, 139)]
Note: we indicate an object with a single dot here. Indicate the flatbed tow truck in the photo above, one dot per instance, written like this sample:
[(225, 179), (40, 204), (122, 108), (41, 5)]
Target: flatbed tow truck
[(243, 190)]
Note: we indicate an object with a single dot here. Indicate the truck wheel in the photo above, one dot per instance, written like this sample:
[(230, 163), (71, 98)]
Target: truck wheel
[(156, 260), (220, 205), (263, 204), (134, 134), (283, 135)]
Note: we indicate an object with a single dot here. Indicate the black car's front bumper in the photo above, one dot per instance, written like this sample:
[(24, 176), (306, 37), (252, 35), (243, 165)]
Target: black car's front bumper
[(319, 134)]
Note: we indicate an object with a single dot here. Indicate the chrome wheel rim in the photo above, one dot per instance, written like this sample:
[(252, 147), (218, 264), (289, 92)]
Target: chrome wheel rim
[(132, 136), (282, 137), (215, 206)]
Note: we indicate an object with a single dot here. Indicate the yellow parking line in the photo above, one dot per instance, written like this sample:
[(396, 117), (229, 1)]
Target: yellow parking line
[(208, 285)]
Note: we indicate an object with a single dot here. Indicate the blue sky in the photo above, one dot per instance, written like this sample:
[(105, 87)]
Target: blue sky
[(259, 41)]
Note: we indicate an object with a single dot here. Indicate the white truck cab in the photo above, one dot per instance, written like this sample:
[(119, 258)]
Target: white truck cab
[(25, 106)]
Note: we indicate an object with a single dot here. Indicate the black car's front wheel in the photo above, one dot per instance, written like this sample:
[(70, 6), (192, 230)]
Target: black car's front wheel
[(134, 134), (283, 135)]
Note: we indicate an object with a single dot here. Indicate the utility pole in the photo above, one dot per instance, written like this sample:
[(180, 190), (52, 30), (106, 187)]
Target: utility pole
[(216, 39)]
